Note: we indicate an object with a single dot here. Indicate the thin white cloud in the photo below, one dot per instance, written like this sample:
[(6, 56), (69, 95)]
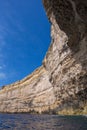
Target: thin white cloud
[(1, 67), (2, 75)]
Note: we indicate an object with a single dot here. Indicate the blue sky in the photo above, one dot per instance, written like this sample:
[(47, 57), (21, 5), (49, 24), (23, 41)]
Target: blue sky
[(24, 38)]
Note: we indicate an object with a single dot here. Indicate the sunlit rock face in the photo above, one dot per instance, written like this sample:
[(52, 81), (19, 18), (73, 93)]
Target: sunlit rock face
[(32, 94), (66, 59), (60, 84)]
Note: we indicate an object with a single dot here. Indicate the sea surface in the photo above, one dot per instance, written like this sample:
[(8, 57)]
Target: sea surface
[(42, 122)]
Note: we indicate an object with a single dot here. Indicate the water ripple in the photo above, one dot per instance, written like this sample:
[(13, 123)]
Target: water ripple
[(42, 122)]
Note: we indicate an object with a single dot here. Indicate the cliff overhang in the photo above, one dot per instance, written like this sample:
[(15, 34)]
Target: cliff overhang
[(60, 84)]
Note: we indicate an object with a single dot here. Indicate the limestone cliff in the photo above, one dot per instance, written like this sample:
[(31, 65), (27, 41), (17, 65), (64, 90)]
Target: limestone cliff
[(60, 84), (66, 59), (32, 94)]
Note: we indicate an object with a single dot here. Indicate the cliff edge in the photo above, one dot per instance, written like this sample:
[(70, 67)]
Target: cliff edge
[(60, 84)]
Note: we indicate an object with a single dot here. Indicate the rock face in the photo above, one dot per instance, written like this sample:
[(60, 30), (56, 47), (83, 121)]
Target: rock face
[(32, 94), (66, 59), (60, 84)]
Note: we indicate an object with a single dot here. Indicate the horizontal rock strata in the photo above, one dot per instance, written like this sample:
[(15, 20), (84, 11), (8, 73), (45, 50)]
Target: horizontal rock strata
[(66, 59), (60, 84), (34, 93)]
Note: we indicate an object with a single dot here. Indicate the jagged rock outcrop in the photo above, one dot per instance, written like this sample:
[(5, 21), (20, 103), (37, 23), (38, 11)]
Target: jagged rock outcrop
[(60, 85)]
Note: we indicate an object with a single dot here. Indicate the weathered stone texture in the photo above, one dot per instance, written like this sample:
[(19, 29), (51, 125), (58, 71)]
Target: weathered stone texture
[(34, 93), (66, 59), (61, 83)]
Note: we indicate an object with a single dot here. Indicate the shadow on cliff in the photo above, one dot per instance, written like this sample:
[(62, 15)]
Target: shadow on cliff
[(71, 16)]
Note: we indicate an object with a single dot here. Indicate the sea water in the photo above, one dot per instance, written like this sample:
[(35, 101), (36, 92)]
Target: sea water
[(42, 122)]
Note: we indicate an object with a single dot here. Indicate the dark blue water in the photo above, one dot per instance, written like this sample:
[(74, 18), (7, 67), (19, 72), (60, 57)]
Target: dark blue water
[(42, 122)]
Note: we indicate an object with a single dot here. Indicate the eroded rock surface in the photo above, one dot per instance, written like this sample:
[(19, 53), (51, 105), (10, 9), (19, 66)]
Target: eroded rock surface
[(61, 83), (66, 59), (34, 93)]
